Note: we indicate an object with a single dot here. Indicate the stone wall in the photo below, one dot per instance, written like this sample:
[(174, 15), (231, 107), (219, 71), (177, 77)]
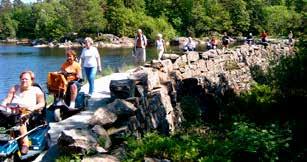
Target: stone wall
[(148, 99)]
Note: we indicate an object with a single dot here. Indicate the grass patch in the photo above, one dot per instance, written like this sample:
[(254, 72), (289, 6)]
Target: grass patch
[(107, 71), (231, 65)]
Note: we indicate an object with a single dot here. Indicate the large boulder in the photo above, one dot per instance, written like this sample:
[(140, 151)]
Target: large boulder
[(122, 88), (79, 141), (102, 116), (121, 108)]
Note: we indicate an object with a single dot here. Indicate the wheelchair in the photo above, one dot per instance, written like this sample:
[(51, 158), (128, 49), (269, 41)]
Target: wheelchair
[(59, 87), (10, 118)]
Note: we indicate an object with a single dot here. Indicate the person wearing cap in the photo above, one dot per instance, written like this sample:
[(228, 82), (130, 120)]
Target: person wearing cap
[(90, 59), (140, 43), (160, 46)]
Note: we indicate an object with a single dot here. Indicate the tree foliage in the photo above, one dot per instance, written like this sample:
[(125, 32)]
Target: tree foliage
[(53, 19)]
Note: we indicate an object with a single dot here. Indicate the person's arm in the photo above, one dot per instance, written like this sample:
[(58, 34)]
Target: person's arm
[(40, 100), (98, 61), (145, 40), (9, 97), (81, 58), (79, 72)]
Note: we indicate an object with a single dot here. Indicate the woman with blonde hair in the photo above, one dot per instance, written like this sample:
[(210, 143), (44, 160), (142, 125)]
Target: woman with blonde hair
[(90, 59), (28, 97)]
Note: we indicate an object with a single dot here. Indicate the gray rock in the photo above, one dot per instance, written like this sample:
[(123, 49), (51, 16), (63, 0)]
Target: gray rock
[(102, 116), (122, 88), (101, 158), (121, 108)]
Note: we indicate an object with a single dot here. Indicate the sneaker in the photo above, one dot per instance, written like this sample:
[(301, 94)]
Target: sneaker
[(24, 149)]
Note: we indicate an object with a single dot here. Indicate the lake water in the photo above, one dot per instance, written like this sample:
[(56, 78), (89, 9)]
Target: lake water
[(15, 59)]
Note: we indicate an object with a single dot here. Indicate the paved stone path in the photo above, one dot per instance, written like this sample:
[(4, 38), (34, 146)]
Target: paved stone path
[(80, 120)]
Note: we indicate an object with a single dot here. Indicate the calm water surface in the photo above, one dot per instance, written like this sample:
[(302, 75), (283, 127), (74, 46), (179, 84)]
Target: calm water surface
[(15, 59)]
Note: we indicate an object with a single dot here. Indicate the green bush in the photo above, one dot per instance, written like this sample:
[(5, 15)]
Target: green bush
[(242, 142), (190, 109)]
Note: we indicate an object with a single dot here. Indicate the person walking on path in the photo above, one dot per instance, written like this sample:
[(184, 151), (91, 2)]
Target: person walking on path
[(160, 46), (90, 59), (140, 43)]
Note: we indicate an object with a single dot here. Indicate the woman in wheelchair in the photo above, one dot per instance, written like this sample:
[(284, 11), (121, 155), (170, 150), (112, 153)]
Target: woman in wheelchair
[(28, 97), (72, 72)]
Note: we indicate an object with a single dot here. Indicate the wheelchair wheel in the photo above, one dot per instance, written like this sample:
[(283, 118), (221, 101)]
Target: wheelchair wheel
[(57, 115)]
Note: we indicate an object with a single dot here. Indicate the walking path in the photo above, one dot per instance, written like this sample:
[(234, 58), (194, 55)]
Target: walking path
[(80, 120)]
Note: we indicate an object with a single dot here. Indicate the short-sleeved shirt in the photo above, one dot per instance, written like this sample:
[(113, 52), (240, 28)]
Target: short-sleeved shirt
[(26, 98), (73, 68), (89, 55), (160, 43)]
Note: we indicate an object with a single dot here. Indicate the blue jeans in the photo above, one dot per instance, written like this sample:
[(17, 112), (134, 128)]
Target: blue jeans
[(90, 75)]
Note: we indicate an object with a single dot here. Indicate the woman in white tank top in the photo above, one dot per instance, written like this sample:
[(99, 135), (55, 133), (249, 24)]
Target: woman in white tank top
[(28, 97)]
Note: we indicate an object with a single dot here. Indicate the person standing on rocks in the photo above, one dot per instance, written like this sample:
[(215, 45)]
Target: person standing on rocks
[(160, 46), (90, 59), (190, 45), (264, 40), (140, 43), (225, 40)]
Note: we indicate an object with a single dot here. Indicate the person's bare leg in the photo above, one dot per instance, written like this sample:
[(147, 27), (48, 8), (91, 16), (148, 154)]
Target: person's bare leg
[(24, 141), (73, 95)]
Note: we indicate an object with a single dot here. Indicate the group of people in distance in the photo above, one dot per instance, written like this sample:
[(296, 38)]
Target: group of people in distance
[(225, 40), (27, 95)]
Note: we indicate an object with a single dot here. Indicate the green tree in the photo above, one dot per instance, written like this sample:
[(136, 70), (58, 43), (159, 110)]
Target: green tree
[(220, 18), (239, 15), (5, 5), (49, 20), (18, 3), (157, 8), (87, 16), (25, 21), (255, 10), (7, 26), (279, 20), (135, 5)]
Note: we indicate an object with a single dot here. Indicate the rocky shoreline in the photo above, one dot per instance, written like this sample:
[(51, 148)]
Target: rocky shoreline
[(112, 41)]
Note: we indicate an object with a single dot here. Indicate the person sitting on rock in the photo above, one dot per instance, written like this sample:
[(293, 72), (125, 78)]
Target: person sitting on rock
[(209, 45), (249, 39), (264, 40), (226, 40), (190, 45), (213, 42)]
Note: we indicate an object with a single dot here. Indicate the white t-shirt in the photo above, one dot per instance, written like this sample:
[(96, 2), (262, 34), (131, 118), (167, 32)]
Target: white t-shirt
[(159, 44), (89, 56), (26, 98)]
